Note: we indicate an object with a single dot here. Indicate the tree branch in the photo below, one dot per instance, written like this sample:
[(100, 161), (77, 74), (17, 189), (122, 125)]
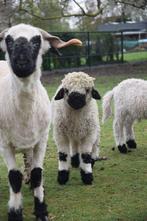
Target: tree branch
[(142, 6)]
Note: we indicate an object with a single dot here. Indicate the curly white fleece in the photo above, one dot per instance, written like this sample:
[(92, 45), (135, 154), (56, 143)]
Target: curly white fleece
[(76, 131)]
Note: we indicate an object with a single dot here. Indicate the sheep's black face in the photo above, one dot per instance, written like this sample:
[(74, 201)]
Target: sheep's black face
[(76, 100), (23, 54)]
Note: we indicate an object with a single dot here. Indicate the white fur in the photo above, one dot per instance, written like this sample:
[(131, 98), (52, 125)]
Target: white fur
[(24, 112), (76, 131), (130, 104)]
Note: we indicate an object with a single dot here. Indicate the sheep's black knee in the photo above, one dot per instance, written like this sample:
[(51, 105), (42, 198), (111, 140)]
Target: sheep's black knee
[(86, 157), (36, 177), (40, 210), (75, 161), (15, 180), (15, 215), (131, 144), (63, 177), (62, 156), (122, 148), (87, 178)]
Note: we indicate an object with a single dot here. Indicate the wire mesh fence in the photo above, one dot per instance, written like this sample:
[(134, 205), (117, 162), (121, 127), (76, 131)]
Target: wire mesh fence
[(98, 48)]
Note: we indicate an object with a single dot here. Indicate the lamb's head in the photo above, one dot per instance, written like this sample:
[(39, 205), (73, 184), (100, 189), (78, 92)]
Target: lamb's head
[(77, 89), (24, 46)]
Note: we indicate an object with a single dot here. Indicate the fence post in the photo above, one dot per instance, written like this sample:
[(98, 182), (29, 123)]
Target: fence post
[(88, 49), (122, 47)]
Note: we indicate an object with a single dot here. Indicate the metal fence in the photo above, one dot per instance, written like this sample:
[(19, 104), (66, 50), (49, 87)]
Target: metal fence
[(98, 48)]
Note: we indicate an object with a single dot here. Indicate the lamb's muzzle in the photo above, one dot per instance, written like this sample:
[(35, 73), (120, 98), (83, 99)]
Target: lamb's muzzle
[(76, 100)]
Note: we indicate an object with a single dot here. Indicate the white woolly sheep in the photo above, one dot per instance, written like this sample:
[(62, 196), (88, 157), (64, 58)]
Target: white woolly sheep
[(24, 111), (76, 125), (130, 104)]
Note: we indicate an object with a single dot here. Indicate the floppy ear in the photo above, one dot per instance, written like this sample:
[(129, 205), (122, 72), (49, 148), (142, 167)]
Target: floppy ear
[(60, 94), (56, 42), (95, 94)]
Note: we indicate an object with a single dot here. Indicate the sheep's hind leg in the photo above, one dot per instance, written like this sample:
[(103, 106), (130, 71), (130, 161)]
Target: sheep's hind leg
[(119, 136), (64, 161), (129, 133), (40, 207), (28, 157), (75, 158), (95, 153), (15, 182)]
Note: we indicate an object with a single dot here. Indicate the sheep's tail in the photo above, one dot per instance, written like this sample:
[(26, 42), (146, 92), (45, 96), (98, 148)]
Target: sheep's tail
[(106, 105)]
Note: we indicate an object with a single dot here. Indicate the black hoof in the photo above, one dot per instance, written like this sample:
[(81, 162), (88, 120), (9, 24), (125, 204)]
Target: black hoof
[(131, 144), (15, 215), (123, 148), (63, 177), (87, 178), (40, 210), (75, 161)]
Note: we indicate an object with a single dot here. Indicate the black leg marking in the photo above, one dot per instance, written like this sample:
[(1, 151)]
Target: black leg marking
[(15, 215), (75, 161), (131, 144), (87, 178), (40, 210), (15, 179), (92, 162), (86, 158), (36, 176), (62, 156), (123, 148), (63, 176)]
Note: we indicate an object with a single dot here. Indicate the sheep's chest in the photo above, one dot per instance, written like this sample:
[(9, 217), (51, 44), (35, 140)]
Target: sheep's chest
[(76, 127), (25, 125)]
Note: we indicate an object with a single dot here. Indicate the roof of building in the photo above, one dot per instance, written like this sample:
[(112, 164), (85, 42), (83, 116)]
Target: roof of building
[(121, 27)]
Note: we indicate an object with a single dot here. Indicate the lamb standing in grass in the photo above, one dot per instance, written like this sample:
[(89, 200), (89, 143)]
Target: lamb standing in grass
[(130, 104), (76, 125), (24, 111)]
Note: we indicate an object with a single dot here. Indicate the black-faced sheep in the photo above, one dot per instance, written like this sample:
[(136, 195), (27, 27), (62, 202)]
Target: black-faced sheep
[(76, 125), (25, 111)]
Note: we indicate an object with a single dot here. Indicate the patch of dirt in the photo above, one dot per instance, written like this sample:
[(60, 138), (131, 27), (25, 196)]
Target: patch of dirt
[(112, 69)]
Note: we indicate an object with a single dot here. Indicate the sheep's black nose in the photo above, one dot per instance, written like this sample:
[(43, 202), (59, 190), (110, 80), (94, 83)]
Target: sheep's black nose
[(76, 100)]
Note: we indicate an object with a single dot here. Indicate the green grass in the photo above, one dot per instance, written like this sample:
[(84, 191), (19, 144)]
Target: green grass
[(119, 191), (135, 56)]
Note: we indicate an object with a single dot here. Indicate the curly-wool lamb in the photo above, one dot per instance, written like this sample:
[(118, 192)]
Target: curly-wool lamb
[(130, 104), (76, 127), (25, 111)]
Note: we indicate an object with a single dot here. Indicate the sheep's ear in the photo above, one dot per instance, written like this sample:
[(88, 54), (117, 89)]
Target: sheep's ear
[(56, 42), (60, 94), (95, 94)]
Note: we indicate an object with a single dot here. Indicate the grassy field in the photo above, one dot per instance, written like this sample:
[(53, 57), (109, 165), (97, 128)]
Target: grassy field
[(119, 191), (135, 56)]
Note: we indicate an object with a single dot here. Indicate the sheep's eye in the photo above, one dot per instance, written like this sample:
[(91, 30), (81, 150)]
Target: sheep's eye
[(66, 91), (87, 90)]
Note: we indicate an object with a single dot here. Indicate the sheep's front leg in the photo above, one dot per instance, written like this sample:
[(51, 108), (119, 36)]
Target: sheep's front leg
[(86, 162), (15, 182), (40, 208), (64, 160)]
